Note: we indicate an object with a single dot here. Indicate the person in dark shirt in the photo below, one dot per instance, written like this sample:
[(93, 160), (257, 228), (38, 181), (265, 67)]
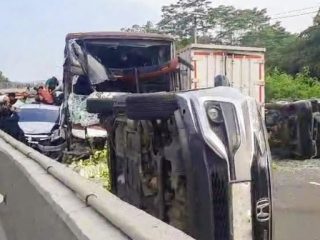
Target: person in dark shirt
[(12, 127), (9, 121)]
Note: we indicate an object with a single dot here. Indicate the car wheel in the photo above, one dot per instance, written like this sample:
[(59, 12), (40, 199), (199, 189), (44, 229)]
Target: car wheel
[(151, 106)]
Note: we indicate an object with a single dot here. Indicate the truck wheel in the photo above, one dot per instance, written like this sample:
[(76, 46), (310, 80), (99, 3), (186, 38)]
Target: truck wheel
[(151, 106)]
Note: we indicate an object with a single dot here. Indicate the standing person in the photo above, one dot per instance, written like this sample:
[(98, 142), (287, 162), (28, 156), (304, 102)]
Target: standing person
[(11, 125), (45, 96), (9, 118), (52, 83), (12, 98), (4, 100)]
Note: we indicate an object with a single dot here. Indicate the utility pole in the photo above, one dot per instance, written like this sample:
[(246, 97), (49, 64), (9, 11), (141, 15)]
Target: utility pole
[(195, 30)]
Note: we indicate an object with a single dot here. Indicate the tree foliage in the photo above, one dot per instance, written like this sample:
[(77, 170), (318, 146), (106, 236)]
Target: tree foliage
[(219, 25), (283, 86), (149, 27), (274, 38), (290, 53), (180, 19), (304, 52), (3, 78), (232, 24)]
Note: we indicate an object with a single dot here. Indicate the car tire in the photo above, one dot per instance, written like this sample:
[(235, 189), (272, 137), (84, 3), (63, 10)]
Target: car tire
[(151, 106)]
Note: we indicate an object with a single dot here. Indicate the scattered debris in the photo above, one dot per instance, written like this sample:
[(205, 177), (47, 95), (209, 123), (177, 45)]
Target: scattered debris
[(95, 168)]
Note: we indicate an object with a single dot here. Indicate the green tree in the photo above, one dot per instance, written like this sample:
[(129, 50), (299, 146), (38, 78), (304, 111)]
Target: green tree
[(180, 19), (316, 19), (304, 52), (274, 38), (246, 27), (149, 27), (3, 78), (282, 86), (231, 24)]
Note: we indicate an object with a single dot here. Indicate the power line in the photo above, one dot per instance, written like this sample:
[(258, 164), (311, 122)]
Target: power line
[(296, 10), (295, 15)]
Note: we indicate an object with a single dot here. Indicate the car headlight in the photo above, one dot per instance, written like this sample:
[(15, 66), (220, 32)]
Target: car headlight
[(214, 113), (55, 135), (223, 121)]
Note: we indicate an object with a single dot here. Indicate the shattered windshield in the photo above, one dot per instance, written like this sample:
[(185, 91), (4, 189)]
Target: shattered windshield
[(101, 60)]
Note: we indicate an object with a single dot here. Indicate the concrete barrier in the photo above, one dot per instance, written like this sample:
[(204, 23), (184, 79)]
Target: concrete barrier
[(40, 206)]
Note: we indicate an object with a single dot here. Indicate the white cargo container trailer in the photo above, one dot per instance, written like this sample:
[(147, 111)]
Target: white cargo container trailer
[(244, 67)]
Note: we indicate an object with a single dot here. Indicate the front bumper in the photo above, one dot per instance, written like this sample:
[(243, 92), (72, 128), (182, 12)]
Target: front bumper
[(44, 144), (51, 149)]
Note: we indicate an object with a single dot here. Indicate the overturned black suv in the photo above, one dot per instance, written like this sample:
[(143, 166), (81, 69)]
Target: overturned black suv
[(197, 159)]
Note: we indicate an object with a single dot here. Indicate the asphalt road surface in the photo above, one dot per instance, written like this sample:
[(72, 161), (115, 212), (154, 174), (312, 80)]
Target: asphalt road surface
[(2, 233), (297, 200)]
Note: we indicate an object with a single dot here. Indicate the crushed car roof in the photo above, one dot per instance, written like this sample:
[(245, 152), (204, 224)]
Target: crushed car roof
[(118, 35), (39, 106)]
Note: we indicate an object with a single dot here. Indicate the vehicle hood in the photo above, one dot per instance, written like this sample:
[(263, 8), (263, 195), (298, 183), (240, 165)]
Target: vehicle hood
[(36, 127)]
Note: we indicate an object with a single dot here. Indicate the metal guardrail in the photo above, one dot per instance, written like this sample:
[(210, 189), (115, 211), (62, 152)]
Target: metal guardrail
[(133, 222)]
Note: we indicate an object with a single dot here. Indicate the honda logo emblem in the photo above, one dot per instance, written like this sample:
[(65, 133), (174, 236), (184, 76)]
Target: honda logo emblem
[(263, 210)]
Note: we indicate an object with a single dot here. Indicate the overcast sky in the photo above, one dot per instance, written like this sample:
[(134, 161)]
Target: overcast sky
[(32, 31)]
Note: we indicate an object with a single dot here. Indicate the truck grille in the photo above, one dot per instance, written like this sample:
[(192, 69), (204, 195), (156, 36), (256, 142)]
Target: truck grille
[(220, 206)]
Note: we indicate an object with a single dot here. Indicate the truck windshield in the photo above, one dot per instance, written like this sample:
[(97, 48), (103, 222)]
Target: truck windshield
[(129, 55), (38, 115), (103, 61)]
